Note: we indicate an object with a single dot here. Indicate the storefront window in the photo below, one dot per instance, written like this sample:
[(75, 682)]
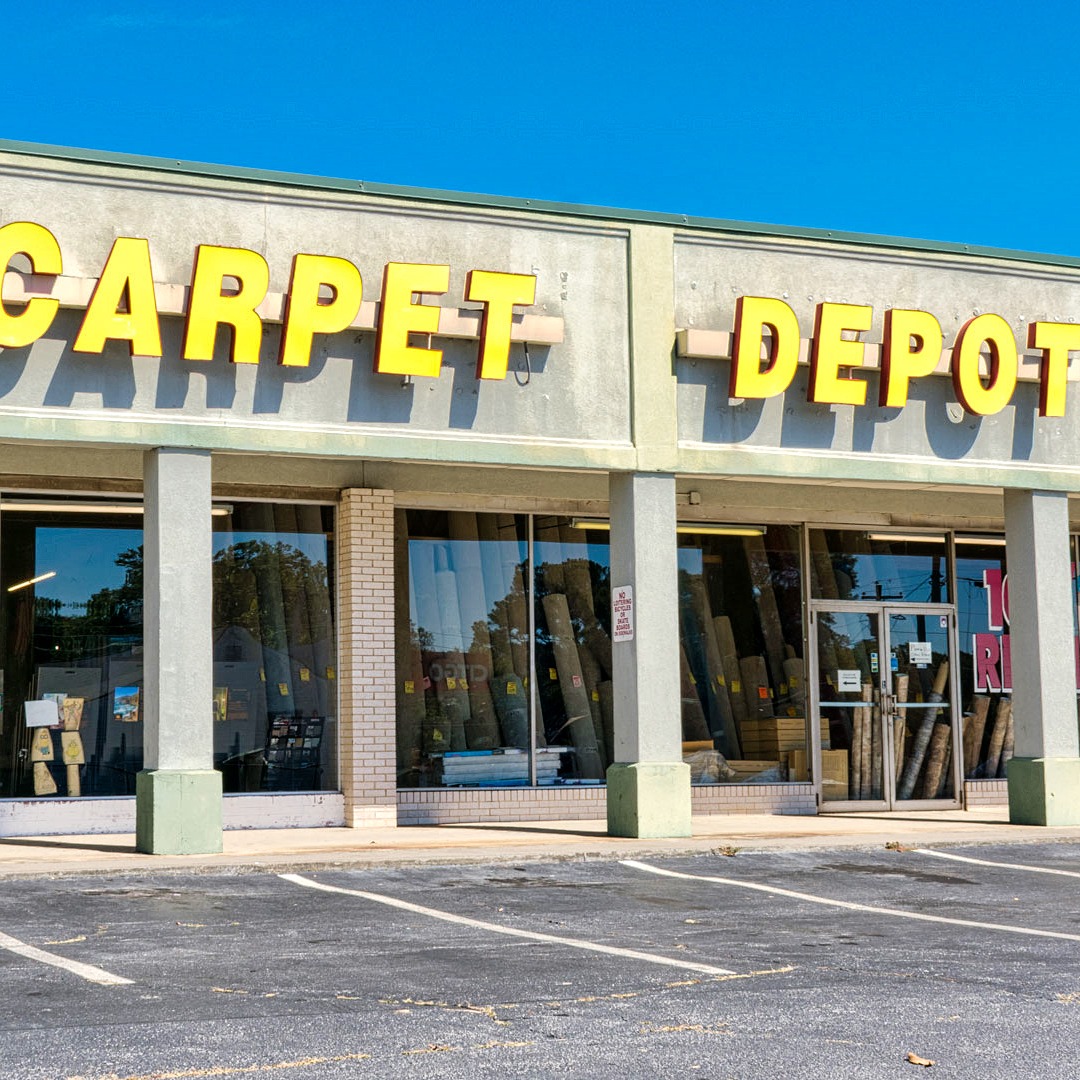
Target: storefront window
[(72, 677), (275, 679), (573, 650), (982, 607), (846, 564), (462, 649), (743, 686)]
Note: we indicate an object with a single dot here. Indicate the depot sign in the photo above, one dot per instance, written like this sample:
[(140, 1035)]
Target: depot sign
[(911, 348), (228, 285)]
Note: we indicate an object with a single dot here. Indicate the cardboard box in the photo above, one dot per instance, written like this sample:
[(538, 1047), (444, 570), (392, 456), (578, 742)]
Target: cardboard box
[(834, 772), (772, 736)]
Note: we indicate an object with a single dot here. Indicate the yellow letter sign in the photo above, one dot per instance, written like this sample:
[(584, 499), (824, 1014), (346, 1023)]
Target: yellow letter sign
[(977, 398), (40, 247), (499, 293), (399, 317), (831, 351), (306, 315), (752, 315), (911, 348), (209, 307), (1056, 340), (128, 281)]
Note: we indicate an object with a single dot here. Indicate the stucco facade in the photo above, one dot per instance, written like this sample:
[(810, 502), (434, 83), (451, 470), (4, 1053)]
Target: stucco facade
[(616, 406)]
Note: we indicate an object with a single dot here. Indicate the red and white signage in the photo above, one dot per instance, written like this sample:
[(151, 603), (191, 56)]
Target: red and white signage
[(622, 613)]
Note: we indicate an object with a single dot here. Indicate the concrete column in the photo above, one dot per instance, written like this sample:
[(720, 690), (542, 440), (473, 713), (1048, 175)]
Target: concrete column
[(648, 786), (367, 702), (1044, 776), (178, 793)]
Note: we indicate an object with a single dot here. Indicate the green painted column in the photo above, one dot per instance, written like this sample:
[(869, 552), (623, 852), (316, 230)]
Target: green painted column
[(1044, 775), (178, 793), (648, 785)]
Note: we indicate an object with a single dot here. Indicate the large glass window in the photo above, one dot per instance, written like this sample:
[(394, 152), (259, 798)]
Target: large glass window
[(982, 608), (846, 564), (462, 649), (275, 678), (72, 676), (743, 687), (573, 650)]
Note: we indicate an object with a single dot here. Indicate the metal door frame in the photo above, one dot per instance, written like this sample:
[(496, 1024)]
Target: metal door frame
[(882, 610)]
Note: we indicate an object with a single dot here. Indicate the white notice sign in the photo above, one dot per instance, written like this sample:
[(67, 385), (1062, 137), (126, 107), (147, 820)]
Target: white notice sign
[(919, 652), (848, 679), (41, 713), (622, 613)]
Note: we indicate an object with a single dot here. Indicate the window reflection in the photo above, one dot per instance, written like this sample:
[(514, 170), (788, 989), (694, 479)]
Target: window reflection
[(743, 688), (463, 662), (461, 645), (71, 597), (846, 564), (985, 658), (573, 648), (275, 678)]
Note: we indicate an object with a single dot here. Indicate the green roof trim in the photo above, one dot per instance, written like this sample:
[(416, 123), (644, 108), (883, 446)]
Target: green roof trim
[(539, 206)]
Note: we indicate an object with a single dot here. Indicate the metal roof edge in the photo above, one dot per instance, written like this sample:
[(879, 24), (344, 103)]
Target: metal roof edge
[(541, 206)]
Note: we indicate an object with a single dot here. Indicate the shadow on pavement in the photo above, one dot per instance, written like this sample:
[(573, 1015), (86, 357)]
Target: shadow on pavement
[(79, 845)]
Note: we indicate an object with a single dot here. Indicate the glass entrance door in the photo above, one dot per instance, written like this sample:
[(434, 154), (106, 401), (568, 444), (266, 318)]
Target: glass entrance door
[(884, 706)]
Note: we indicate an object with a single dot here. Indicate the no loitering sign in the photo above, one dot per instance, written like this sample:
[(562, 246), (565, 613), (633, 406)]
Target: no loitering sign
[(622, 613)]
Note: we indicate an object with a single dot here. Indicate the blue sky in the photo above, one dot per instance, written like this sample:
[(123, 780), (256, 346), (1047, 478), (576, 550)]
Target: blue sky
[(943, 121)]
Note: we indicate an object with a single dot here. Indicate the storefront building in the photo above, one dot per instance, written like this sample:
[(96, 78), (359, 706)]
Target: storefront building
[(326, 503)]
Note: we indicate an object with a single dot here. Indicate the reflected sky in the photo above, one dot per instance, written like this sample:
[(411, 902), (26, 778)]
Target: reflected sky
[(84, 560)]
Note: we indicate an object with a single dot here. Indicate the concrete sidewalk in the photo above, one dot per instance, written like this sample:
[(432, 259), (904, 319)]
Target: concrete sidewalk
[(280, 849)]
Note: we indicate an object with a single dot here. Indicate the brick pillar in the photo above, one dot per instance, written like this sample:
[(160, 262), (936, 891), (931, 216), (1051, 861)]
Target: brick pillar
[(367, 718)]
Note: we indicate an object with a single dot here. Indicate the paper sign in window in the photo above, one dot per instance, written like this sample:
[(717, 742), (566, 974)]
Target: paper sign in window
[(920, 652), (848, 679)]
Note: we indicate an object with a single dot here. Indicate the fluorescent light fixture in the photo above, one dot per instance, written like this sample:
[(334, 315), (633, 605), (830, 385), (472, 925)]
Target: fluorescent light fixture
[(988, 541), (719, 530), (71, 506), (909, 538), (691, 527), (32, 581)]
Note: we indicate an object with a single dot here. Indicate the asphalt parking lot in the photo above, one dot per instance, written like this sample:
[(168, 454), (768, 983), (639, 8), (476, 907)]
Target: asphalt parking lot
[(795, 964)]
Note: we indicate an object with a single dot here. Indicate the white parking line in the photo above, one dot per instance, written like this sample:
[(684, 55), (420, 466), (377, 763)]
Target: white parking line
[(1003, 865), (85, 971), (810, 898), (495, 928)]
